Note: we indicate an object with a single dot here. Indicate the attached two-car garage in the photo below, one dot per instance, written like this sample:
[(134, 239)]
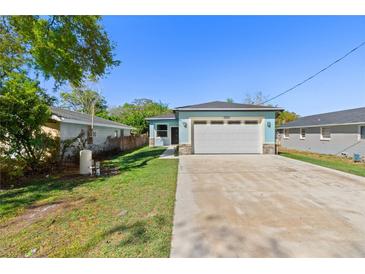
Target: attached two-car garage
[(227, 136)]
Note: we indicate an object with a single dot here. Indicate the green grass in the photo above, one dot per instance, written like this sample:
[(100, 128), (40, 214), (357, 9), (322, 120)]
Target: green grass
[(86, 219), (330, 161)]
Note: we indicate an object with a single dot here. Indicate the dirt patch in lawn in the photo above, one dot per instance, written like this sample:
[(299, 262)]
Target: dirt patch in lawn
[(37, 212)]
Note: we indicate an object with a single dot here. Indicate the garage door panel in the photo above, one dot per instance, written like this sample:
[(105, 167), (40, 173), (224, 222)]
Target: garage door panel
[(227, 138)]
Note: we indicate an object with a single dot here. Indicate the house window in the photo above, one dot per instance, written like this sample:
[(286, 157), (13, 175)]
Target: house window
[(116, 133), (121, 133), (325, 133), (234, 122), (302, 133), (161, 131), (251, 122), (216, 122), (286, 133), (362, 132)]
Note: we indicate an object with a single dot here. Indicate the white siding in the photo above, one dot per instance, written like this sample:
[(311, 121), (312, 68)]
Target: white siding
[(344, 138), (69, 131)]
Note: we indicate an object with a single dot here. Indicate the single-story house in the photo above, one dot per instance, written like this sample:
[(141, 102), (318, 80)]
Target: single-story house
[(338, 133), (216, 127), (97, 132)]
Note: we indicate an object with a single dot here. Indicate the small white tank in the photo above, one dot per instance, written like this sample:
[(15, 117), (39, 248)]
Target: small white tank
[(85, 161)]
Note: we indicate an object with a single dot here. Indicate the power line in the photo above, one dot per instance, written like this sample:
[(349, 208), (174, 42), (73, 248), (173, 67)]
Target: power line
[(314, 75)]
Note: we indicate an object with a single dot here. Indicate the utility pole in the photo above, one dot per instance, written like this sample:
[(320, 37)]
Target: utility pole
[(92, 114)]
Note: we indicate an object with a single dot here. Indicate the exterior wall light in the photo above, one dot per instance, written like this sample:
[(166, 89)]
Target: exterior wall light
[(268, 124), (185, 124)]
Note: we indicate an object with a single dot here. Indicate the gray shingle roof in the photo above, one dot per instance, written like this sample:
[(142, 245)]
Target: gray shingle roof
[(163, 116), (83, 118), (218, 105), (356, 115)]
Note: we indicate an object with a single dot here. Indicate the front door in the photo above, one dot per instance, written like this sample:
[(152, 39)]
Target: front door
[(174, 135)]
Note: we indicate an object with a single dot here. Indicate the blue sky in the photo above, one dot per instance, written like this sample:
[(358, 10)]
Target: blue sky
[(183, 60)]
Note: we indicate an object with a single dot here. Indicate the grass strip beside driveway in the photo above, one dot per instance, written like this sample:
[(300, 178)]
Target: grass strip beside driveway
[(126, 215), (330, 161)]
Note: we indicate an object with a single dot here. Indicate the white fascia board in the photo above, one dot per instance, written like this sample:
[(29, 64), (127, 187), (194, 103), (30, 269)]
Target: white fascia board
[(324, 125), (71, 121), (229, 109), (56, 118), (160, 119)]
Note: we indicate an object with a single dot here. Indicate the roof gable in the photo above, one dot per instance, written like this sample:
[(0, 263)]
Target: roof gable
[(349, 116), (221, 105)]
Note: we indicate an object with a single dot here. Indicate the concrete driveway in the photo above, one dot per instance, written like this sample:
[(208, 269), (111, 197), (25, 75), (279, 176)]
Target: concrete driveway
[(266, 206)]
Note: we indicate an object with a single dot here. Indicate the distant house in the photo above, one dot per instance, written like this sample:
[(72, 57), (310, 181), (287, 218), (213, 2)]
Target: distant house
[(98, 133), (216, 127), (339, 132)]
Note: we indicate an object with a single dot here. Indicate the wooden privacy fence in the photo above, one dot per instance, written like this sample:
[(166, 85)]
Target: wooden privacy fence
[(112, 145), (126, 143), (133, 141)]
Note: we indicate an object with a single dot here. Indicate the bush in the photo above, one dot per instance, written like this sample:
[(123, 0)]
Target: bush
[(24, 109), (10, 170)]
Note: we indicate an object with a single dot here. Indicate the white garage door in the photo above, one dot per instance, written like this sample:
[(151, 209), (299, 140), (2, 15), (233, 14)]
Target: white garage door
[(227, 138)]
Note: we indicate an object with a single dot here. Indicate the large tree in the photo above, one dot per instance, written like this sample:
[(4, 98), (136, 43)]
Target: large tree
[(135, 113), (285, 117), (84, 100), (66, 48), (24, 108)]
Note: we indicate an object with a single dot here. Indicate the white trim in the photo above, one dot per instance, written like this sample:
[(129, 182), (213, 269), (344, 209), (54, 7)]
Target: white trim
[(167, 130), (300, 133), (325, 125), (226, 119), (77, 122), (284, 135), (56, 118), (359, 136), (148, 119), (227, 109), (324, 138)]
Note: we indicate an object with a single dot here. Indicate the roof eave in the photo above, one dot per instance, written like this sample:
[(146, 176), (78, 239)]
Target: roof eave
[(229, 109), (56, 118), (161, 118), (72, 121)]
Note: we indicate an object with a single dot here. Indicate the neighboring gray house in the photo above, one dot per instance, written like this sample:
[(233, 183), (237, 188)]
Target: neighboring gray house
[(216, 127), (68, 124), (339, 132)]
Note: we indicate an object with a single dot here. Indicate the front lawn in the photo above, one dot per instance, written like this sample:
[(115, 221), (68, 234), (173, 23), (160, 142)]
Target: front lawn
[(330, 161), (125, 215)]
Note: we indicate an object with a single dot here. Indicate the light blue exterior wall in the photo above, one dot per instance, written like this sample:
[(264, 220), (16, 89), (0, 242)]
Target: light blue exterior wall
[(152, 129), (185, 118), (184, 123)]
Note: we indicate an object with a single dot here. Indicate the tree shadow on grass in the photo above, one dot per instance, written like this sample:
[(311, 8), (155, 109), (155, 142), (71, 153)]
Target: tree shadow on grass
[(38, 190), (129, 162), (135, 234), (45, 188)]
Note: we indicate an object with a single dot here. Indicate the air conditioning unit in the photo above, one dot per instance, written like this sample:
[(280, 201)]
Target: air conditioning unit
[(357, 157), (158, 141)]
